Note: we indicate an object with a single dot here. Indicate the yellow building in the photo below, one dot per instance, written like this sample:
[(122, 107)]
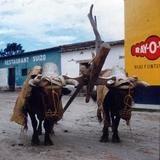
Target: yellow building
[(142, 41)]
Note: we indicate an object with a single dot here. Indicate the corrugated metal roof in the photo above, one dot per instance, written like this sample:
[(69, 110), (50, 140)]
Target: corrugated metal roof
[(86, 45), (67, 48)]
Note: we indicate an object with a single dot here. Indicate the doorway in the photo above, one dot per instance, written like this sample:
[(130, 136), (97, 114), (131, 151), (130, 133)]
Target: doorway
[(83, 69), (11, 79)]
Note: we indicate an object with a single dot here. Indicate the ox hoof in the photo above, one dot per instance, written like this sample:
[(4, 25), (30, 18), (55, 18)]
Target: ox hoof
[(52, 132), (104, 139), (116, 139), (35, 142), (48, 143), (39, 132)]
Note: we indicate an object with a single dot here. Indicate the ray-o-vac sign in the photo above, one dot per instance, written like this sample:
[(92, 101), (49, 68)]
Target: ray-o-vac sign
[(150, 48)]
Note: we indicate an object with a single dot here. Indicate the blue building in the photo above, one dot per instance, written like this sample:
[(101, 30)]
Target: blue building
[(14, 68)]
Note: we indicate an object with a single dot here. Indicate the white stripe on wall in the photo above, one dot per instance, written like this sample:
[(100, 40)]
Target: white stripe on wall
[(3, 77)]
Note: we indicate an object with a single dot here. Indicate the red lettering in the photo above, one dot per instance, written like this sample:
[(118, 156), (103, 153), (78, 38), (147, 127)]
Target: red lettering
[(150, 48)]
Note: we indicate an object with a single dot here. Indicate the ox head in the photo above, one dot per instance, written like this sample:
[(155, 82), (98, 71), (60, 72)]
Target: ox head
[(49, 80), (52, 87), (122, 81)]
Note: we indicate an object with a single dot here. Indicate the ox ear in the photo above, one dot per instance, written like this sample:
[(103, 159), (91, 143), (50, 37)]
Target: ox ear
[(65, 91)]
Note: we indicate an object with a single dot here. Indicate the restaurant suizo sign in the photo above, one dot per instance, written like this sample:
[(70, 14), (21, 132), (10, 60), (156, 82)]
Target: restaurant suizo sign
[(25, 60)]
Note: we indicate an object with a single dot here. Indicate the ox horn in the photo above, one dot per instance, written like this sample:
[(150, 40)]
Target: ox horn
[(138, 82), (69, 81), (142, 83)]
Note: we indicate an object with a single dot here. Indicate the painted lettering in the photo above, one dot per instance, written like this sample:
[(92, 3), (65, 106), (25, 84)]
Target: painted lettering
[(150, 48), (153, 47), (16, 61), (25, 60), (39, 58)]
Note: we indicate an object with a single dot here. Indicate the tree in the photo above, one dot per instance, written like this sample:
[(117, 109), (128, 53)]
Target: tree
[(13, 49), (1, 53)]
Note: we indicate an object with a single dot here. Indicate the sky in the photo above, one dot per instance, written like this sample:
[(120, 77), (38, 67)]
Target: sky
[(40, 24)]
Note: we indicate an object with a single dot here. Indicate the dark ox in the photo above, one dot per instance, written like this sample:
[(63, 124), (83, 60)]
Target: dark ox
[(116, 105), (46, 105)]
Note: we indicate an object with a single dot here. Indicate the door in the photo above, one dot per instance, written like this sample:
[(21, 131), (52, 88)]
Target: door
[(11, 79)]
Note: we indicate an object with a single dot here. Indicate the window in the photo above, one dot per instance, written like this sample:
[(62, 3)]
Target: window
[(84, 68), (24, 71), (121, 57)]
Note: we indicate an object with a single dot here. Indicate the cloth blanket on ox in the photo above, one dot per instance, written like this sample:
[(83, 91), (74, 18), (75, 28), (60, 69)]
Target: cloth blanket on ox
[(122, 83), (117, 102), (18, 115), (46, 79)]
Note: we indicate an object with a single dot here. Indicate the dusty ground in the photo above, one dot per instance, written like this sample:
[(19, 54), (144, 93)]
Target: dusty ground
[(77, 136)]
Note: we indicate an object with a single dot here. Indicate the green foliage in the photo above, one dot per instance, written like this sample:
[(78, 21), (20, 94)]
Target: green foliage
[(12, 49)]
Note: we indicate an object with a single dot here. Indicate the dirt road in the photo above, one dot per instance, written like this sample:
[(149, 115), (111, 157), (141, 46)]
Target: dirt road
[(77, 136)]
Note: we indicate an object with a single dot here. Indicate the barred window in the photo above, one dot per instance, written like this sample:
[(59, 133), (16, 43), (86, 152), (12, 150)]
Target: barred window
[(24, 72)]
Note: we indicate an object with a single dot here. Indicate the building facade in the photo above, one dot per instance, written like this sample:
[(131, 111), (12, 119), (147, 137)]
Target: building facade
[(75, 55), (68, 58), (14, 68), (142, 46)]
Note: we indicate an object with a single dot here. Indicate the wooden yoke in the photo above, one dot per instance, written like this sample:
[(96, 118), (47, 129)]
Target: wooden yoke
[(91, 76), (102, 50), (96, 67)]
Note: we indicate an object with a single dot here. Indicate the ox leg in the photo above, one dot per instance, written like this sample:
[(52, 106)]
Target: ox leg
[(105, 135), (115, 124), (35, 138), (99, 113), (48, 126), (40, 127)]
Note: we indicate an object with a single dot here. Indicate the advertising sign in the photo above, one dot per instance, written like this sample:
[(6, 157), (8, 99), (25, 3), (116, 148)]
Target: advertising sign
[(142, 39)]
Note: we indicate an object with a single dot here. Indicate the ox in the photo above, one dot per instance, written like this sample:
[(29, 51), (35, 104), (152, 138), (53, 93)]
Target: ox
[(115, 103), (44, 101)]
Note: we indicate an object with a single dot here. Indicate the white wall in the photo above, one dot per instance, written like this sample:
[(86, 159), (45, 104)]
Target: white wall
[(70, 66), (3, 77), (113, 58)]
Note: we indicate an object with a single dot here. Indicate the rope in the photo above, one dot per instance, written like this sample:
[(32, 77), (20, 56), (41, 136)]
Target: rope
[(49, 113), (125, 113)]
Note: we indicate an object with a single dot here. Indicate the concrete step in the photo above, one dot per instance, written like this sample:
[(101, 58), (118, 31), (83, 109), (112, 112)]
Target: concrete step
[(146, 107)]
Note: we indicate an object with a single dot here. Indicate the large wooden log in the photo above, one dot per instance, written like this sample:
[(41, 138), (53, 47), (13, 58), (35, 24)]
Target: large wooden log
[(93, 22), (96, 67)]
